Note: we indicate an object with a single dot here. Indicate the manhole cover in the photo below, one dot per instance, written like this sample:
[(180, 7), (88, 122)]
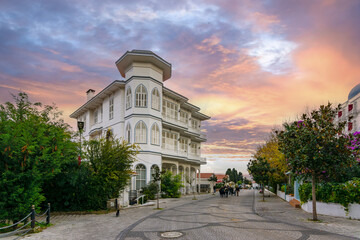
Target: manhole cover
[(171, 234)]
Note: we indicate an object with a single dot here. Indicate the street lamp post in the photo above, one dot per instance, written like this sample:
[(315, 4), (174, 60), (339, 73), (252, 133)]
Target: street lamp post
[(80, 127)]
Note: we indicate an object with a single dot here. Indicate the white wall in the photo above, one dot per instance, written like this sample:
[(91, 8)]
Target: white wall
[(333, 209)]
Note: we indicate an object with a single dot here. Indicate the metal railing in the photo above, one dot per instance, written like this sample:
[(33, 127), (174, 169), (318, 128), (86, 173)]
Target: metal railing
[(23, 230)]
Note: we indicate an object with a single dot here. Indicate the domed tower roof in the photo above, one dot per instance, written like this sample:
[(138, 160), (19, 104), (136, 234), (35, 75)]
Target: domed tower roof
[(354, 91), (143, 56)]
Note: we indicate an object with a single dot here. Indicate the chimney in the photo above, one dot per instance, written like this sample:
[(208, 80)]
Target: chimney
[(90, 94)]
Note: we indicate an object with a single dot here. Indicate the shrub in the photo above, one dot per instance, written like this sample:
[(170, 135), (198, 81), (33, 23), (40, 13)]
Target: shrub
[(150, 190), (342, 193), (170, 185), (305, 192)]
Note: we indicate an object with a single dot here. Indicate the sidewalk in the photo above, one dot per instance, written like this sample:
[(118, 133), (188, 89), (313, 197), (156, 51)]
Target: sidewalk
[(274, 208), (101, 226)]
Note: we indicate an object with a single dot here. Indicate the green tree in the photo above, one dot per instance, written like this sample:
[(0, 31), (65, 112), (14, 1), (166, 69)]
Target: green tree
[(260, 170), (104, 172), (247, 181), (234, 175), (229, 173), (240, 177), (34, 142), (111, 162), (170, 185), (315, 147), (157, 180), (270, 151)]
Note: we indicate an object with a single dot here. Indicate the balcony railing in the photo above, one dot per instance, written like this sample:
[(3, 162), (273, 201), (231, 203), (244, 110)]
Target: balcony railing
[(181, 153), (174, 121)]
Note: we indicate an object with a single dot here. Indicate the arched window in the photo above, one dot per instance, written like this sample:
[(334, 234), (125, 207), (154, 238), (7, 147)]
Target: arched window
[(140, 132), (141, 96), (155, 99), (155, 134), (153, 171), (128, 98), (128, 133), (140, 176)]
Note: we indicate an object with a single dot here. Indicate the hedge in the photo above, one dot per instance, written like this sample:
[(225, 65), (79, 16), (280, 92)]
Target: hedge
[(342, 193)]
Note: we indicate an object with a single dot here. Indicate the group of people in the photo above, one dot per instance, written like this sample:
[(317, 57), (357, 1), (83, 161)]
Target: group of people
[(225, 191)]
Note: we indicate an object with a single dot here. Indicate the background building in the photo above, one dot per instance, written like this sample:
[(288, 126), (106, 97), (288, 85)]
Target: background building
[(140, 109), (351, 108), (205, 184)]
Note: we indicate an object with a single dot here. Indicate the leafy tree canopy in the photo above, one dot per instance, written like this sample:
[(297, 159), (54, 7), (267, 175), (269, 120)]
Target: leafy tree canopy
[(270, 151), (315, 145), (111, 161), (34, 142)]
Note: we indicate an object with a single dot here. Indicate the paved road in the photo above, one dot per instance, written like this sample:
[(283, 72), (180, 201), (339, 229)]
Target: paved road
[(221, 218)]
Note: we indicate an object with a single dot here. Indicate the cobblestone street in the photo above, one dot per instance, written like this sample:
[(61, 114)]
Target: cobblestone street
[(210, 217)]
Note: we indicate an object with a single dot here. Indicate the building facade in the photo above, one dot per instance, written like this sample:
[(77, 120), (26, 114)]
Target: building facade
[(206, 185), (141, 110), (351, 108)]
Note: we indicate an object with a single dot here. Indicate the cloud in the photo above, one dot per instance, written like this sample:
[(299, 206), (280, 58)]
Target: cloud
[(250, 65)]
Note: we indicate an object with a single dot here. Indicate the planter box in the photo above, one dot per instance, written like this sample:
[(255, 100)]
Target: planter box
[(333, 209)]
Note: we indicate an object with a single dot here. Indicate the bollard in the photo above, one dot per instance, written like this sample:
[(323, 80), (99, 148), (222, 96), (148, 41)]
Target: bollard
[(32, 216), (117, 208), (48, 215)]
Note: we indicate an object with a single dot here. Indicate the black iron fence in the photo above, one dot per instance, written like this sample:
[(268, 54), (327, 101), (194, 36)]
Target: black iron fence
[(24, 229)]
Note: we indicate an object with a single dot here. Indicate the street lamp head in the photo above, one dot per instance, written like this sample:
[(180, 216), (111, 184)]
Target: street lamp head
[(80, 125)]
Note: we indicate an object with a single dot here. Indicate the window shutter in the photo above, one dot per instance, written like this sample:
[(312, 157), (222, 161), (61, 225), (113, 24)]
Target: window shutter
[(350, 126), (339, 113), (350, 107)]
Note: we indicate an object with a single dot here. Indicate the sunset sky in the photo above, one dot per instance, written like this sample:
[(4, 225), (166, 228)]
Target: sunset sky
[(250, 65)]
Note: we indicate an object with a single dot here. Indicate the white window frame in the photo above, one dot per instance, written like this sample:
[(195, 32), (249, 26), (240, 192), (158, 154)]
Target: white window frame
[(184, 117), (170, 140), (111, 107), (195, 124), (140, 179), (194, 148), (140, 132), (170, 109), (155, 99), (128, 133), (96, 116), (101, 113), (183, 145), (155, 134), (128, 98), (141, 96)]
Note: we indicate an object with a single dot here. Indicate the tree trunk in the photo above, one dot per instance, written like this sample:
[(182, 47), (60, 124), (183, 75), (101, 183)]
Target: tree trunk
[(314, 197), (158, 193), (263, 190)]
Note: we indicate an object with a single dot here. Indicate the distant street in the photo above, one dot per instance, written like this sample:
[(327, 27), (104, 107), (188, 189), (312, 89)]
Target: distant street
[(221, 218)]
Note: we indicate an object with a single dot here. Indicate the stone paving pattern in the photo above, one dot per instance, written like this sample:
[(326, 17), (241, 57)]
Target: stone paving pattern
[(210, 217)]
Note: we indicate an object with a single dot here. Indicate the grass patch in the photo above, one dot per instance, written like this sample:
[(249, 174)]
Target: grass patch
[(158, 208)]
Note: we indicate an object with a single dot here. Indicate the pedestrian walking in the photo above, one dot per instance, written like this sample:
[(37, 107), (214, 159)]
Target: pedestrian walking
[(237, 190)]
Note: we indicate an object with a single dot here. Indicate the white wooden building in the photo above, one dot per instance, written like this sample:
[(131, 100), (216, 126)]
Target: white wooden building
[(140, 109)]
